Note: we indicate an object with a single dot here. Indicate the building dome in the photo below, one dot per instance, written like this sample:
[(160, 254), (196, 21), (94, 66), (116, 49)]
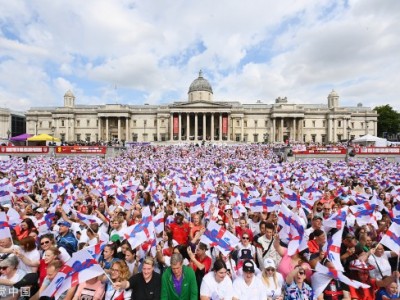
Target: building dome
[(334, 94), (200, 85), (69, 94)]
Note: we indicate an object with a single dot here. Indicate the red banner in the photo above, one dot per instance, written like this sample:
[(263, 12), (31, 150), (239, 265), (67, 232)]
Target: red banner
[(377, 150), (23, 149), (81, 150), (225, 125), (176, 125)]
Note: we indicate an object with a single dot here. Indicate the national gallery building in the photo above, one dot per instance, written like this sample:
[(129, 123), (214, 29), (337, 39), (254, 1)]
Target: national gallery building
[(202, 118)]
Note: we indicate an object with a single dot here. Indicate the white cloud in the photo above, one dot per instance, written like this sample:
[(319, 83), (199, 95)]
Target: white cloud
[(254, 50)]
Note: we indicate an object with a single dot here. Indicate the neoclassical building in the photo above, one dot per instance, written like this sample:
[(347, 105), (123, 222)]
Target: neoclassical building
[(201, 117)]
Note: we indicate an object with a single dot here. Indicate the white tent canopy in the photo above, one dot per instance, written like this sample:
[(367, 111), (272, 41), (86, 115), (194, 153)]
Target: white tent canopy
[(370, 140)]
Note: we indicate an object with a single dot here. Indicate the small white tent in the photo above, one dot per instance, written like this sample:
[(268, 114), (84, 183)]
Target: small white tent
[(370, 140)]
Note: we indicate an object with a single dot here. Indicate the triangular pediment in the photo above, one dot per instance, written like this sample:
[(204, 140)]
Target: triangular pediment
[(200, 104)]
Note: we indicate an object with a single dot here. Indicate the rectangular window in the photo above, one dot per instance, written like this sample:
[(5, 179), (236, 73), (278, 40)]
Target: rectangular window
[(255, 138), (40, 124), (87, 137), (266, 123), (362, 124), (255, 123), (87, 123), (324, 123), (134, 123), (245, 137), (50, 124), (144, 137), (78, 137), (313, 123), (97, 123), (304, 123), (237, 123), (78, 123), (352, 124), (62, 123), (245, 123), (313, 137), (134, 137), (97, 137), (304, 137), (339, 123), (155, 123), (62, 136), (155, 137), (237, 137), (323, 139)]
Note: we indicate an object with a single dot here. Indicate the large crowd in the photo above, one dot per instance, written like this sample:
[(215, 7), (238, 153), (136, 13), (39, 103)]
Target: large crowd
[(199, 222)]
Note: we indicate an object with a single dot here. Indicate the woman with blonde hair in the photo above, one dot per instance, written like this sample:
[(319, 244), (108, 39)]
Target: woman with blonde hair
[(119, 272), (272, 280)]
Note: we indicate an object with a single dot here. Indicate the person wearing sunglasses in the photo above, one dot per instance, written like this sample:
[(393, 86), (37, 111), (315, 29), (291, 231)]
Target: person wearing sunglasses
[(272, 280), (296, 288), (119, 272), (9, 275), (47, 241)]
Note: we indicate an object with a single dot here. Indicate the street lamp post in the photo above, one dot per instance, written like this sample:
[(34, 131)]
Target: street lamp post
[(53, 129), (8, 134)]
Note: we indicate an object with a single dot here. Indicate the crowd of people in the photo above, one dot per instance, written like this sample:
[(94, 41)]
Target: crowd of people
[(311, 229)]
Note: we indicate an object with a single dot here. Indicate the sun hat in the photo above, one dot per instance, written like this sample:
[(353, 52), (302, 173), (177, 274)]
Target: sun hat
[(269, 263)]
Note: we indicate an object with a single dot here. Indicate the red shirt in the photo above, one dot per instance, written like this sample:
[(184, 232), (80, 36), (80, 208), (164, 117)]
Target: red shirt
[(206, 261), (180, 233)]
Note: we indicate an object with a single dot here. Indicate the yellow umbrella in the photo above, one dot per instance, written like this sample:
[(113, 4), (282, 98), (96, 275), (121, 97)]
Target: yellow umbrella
[(43, 137)]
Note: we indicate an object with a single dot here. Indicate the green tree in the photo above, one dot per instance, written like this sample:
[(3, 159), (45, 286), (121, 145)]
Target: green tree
[(388, 120)]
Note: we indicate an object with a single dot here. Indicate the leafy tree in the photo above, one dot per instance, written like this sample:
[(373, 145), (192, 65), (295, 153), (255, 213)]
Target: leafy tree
[(388, 120)]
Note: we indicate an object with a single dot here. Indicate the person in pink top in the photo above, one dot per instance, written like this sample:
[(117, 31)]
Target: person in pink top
[(289, 263)]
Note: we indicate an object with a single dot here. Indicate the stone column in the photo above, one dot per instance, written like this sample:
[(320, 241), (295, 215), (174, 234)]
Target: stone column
[(242, 131), (107, 138), (204, 127), (273, 139), (334, 130), (171, 128), (158, 129), (180, 127), (126, 129), (99, 129), (229, 129), (301, 130), (119, 129), (187, 126), (281, 131), (220, 126), (196, 126), (212, 127), (330, 130), (66, 122), (294, 130)]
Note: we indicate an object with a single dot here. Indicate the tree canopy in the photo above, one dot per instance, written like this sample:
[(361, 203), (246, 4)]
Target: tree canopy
[(388, 120)]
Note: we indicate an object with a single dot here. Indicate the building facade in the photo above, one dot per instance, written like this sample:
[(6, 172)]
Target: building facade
[(12, 123), (202, 118)]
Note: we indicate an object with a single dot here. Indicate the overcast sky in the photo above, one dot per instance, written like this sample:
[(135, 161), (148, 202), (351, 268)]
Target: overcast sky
[(135, 52)]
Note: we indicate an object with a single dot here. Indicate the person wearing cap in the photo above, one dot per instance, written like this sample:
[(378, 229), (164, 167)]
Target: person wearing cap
[(272, 280), (359, 270), (348, 250), (296, 287), (10, 274), (178, 281), (66, 238), (179, 229), (248, 286), (216, 285), (316, 223)]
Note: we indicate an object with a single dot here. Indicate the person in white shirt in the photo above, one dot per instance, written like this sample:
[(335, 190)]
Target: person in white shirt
[(216, 285), (248, 286)]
